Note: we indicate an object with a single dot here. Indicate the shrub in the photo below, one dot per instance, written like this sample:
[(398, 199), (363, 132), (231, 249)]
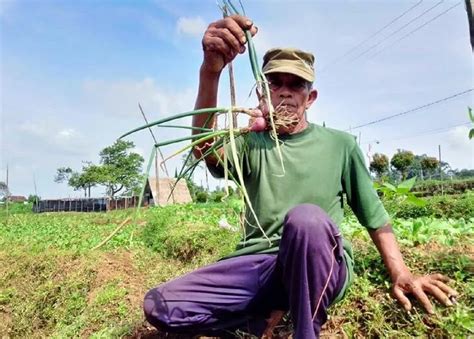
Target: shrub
[(461, 206), (202, 196), (175, 235), (217, 196), (434, 187)]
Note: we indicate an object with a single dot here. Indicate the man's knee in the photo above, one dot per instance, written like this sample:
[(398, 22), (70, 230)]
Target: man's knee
[(154, 308), (307, 218)]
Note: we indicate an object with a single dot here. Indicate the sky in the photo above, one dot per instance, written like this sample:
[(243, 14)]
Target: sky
[(73, 73)]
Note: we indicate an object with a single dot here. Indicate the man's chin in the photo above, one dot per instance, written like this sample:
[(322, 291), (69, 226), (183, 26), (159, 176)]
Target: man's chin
[(286, 130)]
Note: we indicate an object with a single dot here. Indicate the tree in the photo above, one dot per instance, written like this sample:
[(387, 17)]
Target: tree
[(63, 174), (120, 168), (78, 180), (4, 192), (401, 161), (33, 198), (379, 164), (429, 165)]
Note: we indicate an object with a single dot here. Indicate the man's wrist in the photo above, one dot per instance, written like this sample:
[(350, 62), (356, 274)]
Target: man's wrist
[(208, 71), (394, 273)]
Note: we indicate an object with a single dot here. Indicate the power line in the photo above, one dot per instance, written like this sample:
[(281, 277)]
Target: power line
[(416, 29), (423, 133), (371, 36), (398, 30), (412, 110)]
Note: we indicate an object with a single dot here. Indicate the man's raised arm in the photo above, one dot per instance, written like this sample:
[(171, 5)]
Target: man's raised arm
[(222, 41)]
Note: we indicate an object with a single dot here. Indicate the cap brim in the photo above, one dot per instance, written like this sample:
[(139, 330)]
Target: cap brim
[(289, 69)]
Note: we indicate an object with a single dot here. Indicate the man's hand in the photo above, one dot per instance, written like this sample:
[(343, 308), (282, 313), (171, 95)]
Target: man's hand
[(403, 281), (434, 284), (223, 40)]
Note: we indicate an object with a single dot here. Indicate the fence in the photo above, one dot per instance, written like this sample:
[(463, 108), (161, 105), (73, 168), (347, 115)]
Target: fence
[(84, 205)]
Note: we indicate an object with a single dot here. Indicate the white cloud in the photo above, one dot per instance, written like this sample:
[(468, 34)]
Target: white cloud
[(194, 27), (459, 149), (121, 98), (45, 134)]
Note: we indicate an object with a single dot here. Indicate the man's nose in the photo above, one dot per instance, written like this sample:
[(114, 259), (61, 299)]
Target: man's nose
[(285, 92)]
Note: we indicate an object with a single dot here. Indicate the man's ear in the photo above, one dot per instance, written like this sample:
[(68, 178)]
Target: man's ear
[(311, 98)]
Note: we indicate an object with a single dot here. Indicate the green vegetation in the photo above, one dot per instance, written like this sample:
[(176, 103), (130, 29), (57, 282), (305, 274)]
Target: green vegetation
[(53, 285), (435, 187), (119, 170)]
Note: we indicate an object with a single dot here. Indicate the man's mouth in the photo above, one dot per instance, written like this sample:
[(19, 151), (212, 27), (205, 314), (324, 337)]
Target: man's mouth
[(285, 106)]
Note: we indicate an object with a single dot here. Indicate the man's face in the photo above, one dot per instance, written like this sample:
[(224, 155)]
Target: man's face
[(294, 94)]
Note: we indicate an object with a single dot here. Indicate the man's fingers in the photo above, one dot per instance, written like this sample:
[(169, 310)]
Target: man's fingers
[(234, 26), (445, 288), (440, 277), (438, 294), (231, 40), (217, 45), (400, 296), (244, 23), (423, 299)]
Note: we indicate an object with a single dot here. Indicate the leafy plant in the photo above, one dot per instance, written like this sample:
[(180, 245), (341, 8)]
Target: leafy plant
[(399, 193)]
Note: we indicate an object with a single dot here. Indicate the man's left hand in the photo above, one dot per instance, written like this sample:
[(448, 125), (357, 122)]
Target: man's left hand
[(420, 287)]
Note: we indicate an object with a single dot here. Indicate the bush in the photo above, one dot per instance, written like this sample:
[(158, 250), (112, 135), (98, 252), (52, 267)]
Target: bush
[(175, 235), (217, 196), (434, 187), (455, 207), (460, 206), (202, 196)]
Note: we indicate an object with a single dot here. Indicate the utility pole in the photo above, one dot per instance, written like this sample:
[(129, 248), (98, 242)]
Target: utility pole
[(439, 160), (469, 10), (440, 172)]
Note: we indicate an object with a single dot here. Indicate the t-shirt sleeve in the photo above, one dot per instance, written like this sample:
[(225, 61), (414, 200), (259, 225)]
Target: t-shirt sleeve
[(217, 171), (360, 191)]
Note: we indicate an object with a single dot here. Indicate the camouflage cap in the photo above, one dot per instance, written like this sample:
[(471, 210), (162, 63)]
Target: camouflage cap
[(289, 60)]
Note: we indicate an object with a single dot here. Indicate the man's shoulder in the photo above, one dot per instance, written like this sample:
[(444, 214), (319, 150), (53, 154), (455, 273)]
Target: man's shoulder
[(336, 136)]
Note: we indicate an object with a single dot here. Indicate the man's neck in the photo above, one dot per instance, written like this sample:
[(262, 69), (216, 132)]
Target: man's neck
[(302, 125)]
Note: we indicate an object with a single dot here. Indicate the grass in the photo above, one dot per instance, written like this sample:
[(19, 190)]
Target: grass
[(53, 285)]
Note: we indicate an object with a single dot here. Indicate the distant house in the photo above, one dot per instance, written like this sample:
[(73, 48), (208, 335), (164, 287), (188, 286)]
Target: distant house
[(17, 198), (165, 191)]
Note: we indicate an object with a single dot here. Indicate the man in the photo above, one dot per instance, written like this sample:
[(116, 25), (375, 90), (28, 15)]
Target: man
[(301, 264)]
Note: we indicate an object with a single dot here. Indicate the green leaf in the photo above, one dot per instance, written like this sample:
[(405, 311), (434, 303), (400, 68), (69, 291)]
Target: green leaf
[(390, 186), (471, 116), (408, 183), (402, 190), (471, 133), (417, 201), (416, 227)]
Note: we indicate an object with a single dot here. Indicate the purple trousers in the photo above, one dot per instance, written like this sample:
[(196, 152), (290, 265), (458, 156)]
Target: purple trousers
[(304, 277)]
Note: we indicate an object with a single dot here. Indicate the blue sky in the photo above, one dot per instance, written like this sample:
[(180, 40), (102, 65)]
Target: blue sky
[(72, 73)]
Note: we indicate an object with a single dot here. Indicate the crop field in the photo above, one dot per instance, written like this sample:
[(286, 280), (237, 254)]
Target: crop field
[(52, 284)]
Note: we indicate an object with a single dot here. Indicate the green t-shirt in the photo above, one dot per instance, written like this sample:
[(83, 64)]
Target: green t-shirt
[(320, 165)]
